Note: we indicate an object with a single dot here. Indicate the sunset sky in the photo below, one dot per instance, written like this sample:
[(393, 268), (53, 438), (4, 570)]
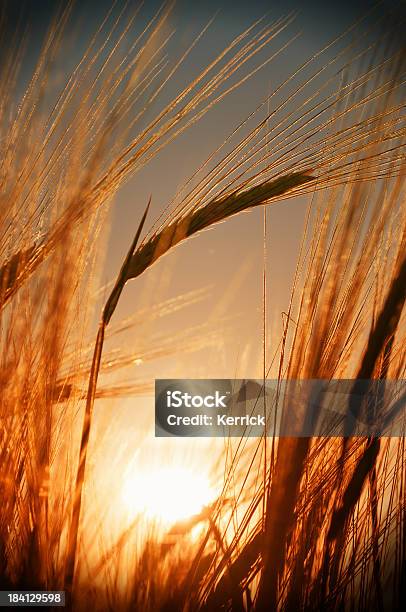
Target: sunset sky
[(228, 259), (251, 101)]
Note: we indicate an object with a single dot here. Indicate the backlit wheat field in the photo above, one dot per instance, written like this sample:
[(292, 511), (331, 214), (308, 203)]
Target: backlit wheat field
[(209, 191)]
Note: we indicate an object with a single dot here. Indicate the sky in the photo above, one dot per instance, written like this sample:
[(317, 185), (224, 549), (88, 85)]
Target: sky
[(229, 259), (227, 262)]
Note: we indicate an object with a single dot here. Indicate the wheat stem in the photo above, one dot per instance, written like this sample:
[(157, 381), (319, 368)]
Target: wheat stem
[(108, 311)]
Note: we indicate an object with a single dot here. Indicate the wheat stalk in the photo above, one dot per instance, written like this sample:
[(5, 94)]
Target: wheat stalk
[(134, 264)]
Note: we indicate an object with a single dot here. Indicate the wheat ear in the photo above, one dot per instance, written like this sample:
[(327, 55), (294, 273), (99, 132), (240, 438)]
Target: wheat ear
[(134, 264)]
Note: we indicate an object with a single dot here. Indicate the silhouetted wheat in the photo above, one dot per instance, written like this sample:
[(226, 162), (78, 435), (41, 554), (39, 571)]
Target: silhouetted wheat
[(309, 524)]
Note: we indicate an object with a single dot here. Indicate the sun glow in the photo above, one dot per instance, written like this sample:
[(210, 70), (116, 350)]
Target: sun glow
[(167, 495)]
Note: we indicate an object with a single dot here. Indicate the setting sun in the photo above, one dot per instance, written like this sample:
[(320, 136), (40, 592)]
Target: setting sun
[(167, 495)]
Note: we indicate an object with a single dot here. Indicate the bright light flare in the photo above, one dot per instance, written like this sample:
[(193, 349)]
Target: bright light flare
[(167, 495)]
